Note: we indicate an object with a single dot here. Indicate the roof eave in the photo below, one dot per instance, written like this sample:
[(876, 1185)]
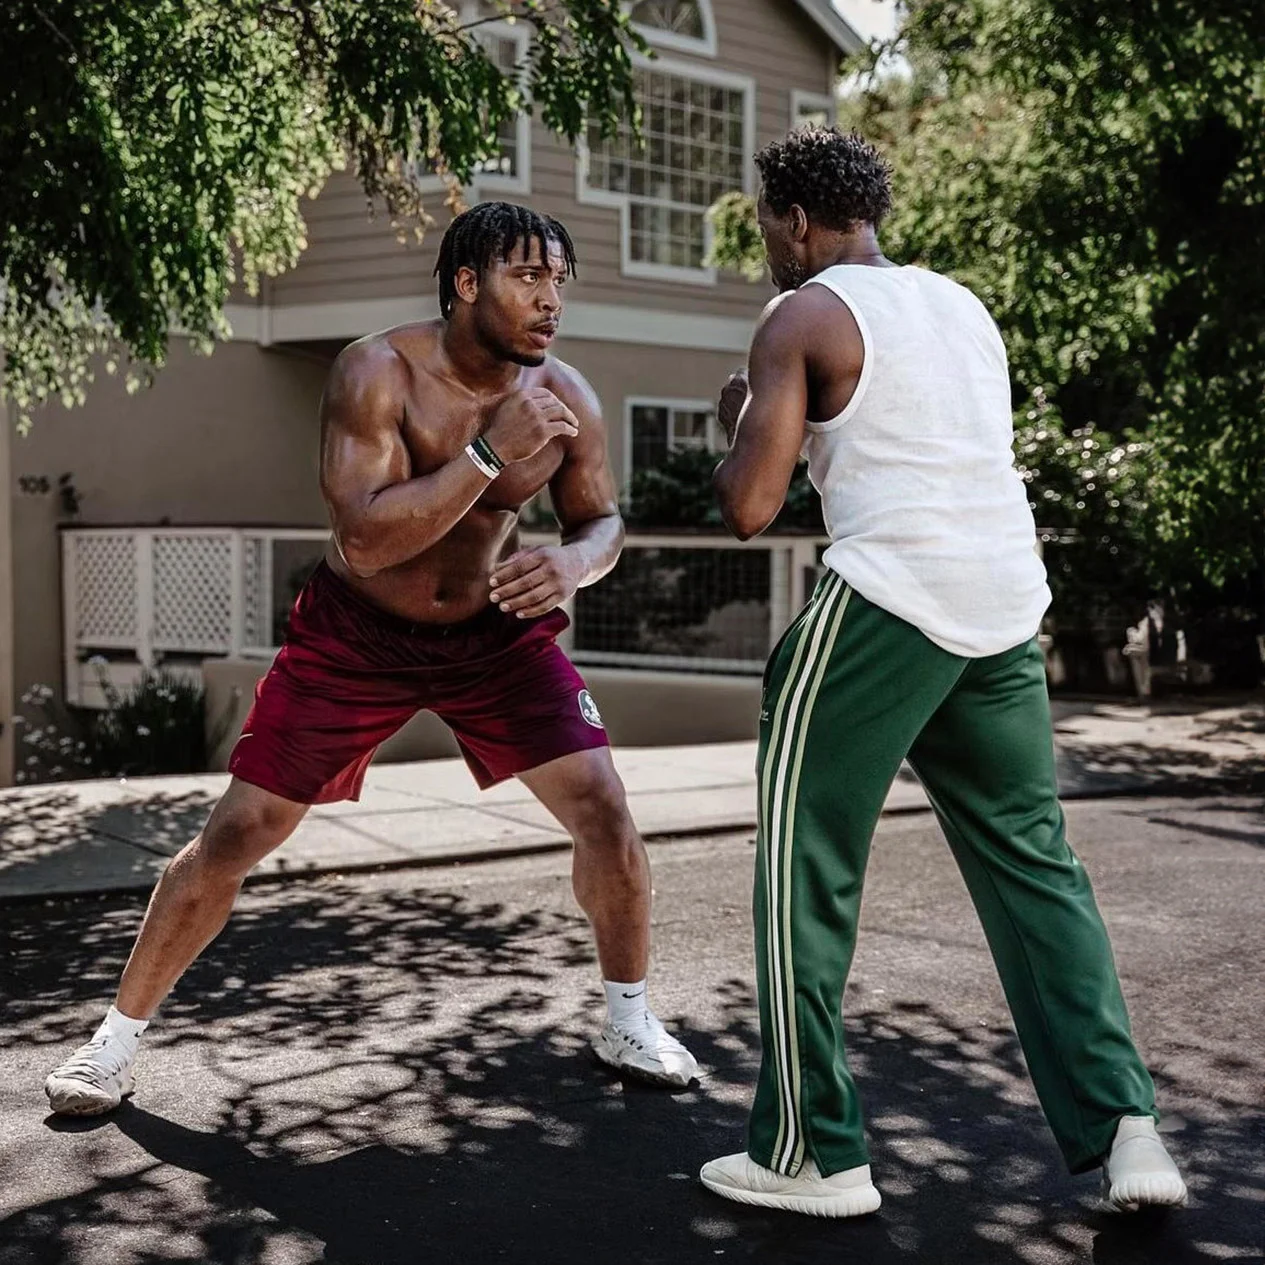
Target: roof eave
[(832, 22)]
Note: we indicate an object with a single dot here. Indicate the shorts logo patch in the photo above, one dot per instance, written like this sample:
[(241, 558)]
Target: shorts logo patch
[(588, 709)]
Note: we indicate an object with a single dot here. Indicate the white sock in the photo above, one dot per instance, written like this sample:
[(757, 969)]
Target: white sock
[(122, 1028), (625, 1003)]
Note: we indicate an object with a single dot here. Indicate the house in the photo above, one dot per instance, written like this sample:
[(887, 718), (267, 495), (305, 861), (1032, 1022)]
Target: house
[(202, 490)]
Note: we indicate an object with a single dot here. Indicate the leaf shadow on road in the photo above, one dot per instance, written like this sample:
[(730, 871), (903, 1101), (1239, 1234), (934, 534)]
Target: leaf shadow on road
[(1191, 819), (402, 1076), (1216, 750), (47, 832), (1121, 768)]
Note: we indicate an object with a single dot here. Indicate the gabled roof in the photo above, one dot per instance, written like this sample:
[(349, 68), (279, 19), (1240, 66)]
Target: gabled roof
[(840, 31)]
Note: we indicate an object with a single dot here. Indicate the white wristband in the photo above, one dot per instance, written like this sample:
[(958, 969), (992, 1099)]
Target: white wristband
[(486, 470)]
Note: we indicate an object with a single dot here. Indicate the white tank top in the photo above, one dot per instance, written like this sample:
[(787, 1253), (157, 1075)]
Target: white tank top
[(927, 516)]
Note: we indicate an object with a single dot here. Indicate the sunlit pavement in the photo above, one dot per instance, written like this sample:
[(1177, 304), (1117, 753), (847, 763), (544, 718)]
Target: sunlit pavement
[(392, 1068)]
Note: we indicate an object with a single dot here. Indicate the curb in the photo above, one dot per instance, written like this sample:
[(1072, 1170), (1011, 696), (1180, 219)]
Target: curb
[(459, 855), (453, 856)]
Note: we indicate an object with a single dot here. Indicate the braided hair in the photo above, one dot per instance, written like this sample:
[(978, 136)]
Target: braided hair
[(492, 229)]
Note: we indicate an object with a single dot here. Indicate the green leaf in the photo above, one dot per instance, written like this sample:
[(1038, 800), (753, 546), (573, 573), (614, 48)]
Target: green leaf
[(192, 130)]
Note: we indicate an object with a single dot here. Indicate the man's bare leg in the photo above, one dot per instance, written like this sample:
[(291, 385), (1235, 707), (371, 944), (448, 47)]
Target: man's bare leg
[(195, 895), (610, 871), (187, 911), (611, 877)]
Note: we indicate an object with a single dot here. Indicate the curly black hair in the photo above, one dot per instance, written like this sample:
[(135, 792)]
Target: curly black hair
[(493, 229), (837, 177)]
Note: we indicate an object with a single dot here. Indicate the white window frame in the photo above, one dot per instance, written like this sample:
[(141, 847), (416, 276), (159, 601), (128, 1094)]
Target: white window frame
[(817, 102), (705, 47), (587, 196), (521, 182), (682, 403), (489, 182)]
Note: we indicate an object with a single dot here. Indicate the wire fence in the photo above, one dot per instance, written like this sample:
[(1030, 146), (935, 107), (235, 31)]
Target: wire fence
[(704, 604), (137, 595)]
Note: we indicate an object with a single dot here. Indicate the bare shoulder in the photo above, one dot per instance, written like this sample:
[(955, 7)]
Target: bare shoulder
[(408, 350), (572, 388), (370, 378), (369, 366), (799, 309), (794, 319)]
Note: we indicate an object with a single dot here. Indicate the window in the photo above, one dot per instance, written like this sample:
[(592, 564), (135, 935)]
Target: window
[(510, 170), (697, 129), (681, 17), (658, 427), (812, 109), (684, 24)]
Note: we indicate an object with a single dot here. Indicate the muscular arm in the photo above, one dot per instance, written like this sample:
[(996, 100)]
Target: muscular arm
[(583, 491), (533, 581), (752, 480), (381, 516)]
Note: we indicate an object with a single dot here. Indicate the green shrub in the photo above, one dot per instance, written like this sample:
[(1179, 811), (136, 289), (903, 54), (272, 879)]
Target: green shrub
[(157, 726)]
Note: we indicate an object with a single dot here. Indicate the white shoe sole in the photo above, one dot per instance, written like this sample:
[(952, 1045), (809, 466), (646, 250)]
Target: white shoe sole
[(68, 1097), (611, 1056), (845, 1203), (1132, 1194)]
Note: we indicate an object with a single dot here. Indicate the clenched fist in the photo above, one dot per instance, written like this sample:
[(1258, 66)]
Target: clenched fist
[(524, 422)]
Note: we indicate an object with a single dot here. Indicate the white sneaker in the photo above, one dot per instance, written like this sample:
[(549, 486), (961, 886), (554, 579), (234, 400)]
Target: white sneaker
[(94, 1080), (848, 1194), (646, 1050), (1139, 1173)]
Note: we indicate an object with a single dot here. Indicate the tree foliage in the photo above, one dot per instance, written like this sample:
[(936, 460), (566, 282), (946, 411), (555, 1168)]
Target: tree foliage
[(155, 151), (736, 236), (1096, 173)]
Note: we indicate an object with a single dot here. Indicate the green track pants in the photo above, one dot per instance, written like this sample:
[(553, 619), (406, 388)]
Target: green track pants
[(850, 692)]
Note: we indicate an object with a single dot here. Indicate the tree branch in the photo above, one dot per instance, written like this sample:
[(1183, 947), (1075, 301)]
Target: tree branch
[(542, 14), (52, 26)]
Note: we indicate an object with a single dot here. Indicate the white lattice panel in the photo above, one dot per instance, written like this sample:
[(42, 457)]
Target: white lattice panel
[(105, 603), (256, 622), (193, 577)]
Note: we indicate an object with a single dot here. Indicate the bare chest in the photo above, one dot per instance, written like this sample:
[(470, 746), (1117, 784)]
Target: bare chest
[(440, 434)]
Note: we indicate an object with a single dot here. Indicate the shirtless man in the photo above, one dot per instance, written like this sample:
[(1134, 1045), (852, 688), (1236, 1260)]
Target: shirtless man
[(433, 438)]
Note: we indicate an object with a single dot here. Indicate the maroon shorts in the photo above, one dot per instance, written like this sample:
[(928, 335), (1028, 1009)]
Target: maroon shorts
[(349, 675)]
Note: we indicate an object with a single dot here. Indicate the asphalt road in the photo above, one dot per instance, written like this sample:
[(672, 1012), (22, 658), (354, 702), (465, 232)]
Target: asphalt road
[(393, 1069)]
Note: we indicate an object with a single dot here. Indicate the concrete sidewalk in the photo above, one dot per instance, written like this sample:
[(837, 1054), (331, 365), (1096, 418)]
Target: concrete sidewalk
[(86, 837)]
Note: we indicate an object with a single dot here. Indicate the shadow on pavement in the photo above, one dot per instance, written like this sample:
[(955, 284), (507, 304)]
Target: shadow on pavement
[(396, 1081), (94, 826), (1220, 751), (1192, 820)]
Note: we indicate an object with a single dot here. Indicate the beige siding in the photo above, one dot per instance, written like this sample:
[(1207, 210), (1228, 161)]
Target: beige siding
[(618, 371), (232, 440), (227, 440), (351, 257), (640, 709)]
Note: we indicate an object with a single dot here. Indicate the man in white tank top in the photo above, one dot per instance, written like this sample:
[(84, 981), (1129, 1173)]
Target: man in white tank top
[(919, 644)]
